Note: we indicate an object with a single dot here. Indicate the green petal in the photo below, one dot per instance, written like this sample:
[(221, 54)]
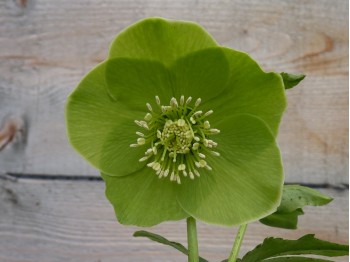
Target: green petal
[(203, 74), (137, 82), (142, 199), (250, 90), (246, 181), (101, 129), (161, 40)]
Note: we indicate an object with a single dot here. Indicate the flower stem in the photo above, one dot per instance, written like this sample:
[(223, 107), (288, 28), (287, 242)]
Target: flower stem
[(237, 243), (192, 240)]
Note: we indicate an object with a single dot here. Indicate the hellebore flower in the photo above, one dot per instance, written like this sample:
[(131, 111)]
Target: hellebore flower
[(180, 126)]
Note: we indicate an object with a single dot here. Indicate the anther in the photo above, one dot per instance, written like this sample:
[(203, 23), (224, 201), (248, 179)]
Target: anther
[(206, 124), (189, 99), (154, 149), (140, 134), (134, 145), (149, 107), (141, 141), (214, 153), (197, 113), (208, 113), (173, 102), (214, 131), (181, 167), (143, 158), (198, 101), (201, 155), (196, 172), (196, 138), (148, 117), (208, 167), (182, 100), (156, 166), (202, 163), (159, 134), (195, 146), (157, 100), (191, 175), (178, 180)]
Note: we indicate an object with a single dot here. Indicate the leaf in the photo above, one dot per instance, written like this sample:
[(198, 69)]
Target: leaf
[(294, 198), (308, 244), (290, 80), (297, 259), (283, 220), (163, 240)]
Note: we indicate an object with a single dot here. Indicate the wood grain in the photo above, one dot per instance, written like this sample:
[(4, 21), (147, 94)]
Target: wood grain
[(49, 221), (47, 46)]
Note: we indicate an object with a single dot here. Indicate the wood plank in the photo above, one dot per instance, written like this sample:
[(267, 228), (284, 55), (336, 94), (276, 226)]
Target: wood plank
[(72, 221), (46, 48)]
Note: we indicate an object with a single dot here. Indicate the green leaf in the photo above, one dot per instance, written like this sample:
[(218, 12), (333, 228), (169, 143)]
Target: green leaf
[(290, 80), (160, 40), (163, 240), (308, 244), (294, 198), (283, 220), (142, 199), (100, 128), (246, 181), (297, 259), (250, 90)]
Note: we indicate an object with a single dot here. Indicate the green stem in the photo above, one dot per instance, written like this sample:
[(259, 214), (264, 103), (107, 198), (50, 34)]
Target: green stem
[(192, 240), (237, 243)]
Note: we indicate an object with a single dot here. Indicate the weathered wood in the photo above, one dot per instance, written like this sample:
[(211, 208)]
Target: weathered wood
[(72, 221), (47, 46)]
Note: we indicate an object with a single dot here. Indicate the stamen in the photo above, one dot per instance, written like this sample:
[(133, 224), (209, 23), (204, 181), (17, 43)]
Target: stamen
[(173, 102), (141, 141), (148, 117), (157, 100), (149, 107), (214, 131), (198, 102), (143, 158), (214, 153), (181, 167), (201, 155), (180, 134), (140, 134)]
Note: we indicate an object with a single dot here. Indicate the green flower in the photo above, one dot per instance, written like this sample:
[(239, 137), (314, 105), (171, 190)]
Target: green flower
[(179, 126)]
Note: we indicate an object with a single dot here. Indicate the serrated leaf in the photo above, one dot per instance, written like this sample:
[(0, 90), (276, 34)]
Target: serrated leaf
[(283, 220), (164, 241), (297, 259), (294, 198), (291, 80), (308, 244)]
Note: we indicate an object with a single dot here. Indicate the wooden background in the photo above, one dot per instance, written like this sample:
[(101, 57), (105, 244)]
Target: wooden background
[(52, 207)]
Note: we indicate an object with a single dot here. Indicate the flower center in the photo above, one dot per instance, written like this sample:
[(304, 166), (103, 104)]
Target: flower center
[(178, 136)]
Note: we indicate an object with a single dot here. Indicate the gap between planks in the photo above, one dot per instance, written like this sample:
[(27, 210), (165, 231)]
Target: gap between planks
[(64, 220)]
